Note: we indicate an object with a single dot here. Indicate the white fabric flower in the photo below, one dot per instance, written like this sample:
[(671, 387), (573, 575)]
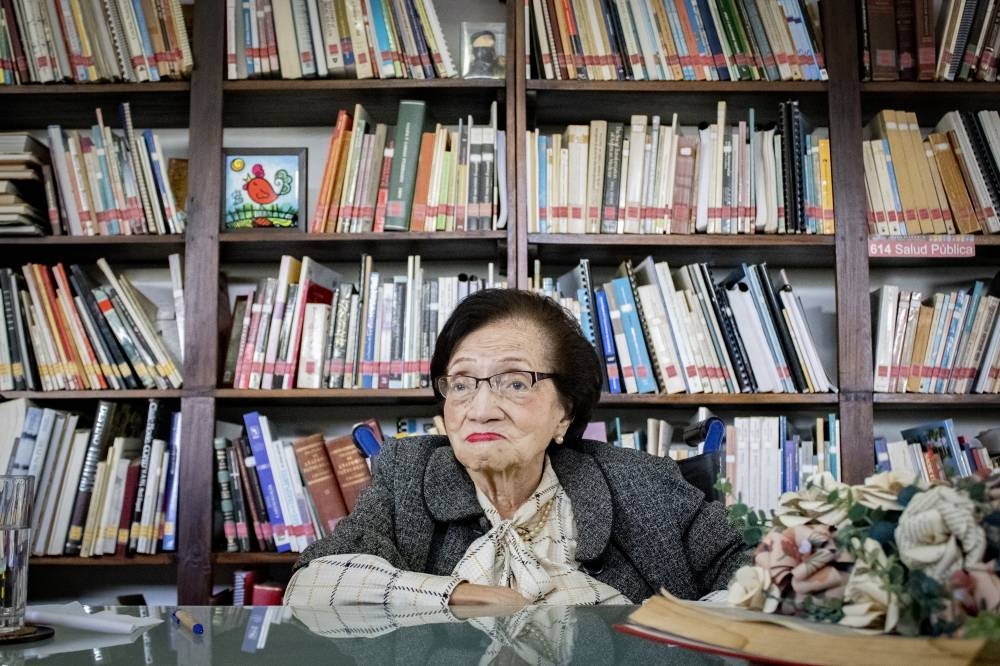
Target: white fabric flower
[(867, 602), (748, 588), (810, 505), (881, 491), (938, 532)]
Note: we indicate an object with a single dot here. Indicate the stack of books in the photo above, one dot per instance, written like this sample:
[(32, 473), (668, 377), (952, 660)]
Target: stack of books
[(283, 494), (933, 452), (363, 39), (947, 183), (110, 489), (650, 177), (379, 178), (948, 343), (767, 456), (86, 41), (309, 328), (27, 194), (682, 331), (925, 40), (61, 330), (677, 40), (113, 182)]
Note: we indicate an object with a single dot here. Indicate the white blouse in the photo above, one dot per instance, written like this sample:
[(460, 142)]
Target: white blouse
[(533, 552)]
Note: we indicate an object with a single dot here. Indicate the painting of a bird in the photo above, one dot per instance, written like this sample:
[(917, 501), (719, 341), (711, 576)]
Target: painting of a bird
[(261, 191)]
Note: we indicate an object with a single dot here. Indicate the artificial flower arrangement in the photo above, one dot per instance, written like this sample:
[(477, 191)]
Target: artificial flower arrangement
[(892, 555)]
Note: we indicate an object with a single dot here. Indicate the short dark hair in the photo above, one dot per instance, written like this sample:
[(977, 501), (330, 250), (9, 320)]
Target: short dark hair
[(574, 359)]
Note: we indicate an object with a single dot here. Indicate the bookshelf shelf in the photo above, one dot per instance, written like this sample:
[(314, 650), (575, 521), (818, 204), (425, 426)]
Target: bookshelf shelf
[(929, 99), (781, 250), (244, 559), (328, 396), (259, 103), (163, 104), (106, 561), (944, 401), (263, 245), (563, 102), (117, 249), (721, 400), (713, 88), (92, 395)]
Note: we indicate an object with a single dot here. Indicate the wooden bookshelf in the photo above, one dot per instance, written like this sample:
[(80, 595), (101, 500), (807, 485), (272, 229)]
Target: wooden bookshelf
[(35, 106), (748, 400), (208, 105), (945, 401), (125, 394), (265, 245), (158, 560), (329, 396), (253, 559), (779, 250)]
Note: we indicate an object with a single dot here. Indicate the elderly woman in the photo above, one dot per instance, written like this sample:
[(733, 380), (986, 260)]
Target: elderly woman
[(513, 506)]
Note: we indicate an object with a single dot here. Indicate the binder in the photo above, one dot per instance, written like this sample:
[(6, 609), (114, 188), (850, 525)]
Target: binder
[(576, 283)]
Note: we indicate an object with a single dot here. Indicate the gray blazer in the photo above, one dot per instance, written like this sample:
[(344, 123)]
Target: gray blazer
[(640, 526)]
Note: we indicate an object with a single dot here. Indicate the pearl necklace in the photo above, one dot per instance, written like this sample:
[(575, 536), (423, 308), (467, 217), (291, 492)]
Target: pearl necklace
[(529, 533)]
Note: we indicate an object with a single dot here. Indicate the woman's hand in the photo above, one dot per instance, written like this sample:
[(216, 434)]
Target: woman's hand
[(470, 594)]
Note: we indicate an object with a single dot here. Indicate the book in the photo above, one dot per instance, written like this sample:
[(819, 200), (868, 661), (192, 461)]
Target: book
[(402, 178), (349, 467), (269, 489), (109, 422), (318, 473), (737, 633)]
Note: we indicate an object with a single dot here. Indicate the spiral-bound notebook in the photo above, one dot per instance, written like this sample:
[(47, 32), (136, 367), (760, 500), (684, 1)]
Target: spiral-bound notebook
[(577, 283)]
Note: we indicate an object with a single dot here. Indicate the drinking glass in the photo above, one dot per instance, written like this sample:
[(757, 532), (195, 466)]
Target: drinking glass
[(17, 494)]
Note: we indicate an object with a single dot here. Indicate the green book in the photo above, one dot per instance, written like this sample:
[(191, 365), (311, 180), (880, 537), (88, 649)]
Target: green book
[(403, 177)]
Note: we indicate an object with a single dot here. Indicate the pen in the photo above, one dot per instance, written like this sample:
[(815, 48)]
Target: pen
[(184, 618)]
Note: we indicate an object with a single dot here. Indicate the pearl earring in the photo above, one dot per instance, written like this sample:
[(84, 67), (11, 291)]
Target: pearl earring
[(559, 439)]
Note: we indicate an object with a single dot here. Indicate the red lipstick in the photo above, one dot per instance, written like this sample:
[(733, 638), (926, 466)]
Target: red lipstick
[(483, 437)]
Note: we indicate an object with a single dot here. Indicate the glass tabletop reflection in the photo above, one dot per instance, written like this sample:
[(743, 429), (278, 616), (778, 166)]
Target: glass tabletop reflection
[(362, 635)]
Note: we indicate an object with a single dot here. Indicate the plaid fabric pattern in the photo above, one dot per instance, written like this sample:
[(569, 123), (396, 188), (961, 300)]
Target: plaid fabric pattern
[(345, 580), (544, 570), (532, 635)]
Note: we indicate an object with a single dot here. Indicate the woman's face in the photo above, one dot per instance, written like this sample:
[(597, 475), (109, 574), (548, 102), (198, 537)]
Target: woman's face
[(490, 433)]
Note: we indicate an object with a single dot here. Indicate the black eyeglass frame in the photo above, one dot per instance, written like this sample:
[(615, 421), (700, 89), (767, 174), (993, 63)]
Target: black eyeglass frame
[(441, 383)]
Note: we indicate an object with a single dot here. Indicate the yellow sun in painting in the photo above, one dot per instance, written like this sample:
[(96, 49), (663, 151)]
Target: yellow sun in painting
[(237, 165)]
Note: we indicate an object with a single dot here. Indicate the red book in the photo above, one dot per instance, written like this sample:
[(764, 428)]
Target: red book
[(350, 468), (383, 186), (267, 594), (128, 503), (321, 483)]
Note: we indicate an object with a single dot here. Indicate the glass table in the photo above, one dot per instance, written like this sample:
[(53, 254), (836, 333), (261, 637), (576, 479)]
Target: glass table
[(363, 635)]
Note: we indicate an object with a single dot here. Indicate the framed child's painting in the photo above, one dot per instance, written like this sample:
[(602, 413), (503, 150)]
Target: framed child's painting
[(265, 188)]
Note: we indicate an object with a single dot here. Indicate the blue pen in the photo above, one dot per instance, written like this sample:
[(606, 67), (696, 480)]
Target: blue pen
[(184, 618)]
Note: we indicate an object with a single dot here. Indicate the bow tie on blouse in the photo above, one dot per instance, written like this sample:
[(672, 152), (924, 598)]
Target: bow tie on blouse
[(504, 556)]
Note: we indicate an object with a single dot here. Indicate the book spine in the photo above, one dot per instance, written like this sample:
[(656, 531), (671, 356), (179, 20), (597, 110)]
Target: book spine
[(255, 437), (258, 511), (608, 341), (402, 181), (100, 437), (225, 494), (321, 483), (240, 498), (349, 467)]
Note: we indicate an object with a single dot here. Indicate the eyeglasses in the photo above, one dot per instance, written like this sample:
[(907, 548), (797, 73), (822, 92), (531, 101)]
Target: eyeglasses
[(515, 385)]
